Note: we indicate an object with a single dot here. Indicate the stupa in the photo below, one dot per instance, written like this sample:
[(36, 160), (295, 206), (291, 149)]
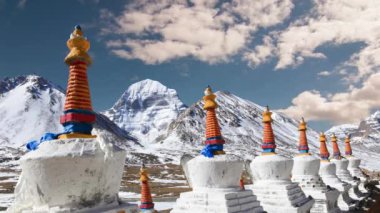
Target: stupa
[(342, 172), (353, 165), (72, 171), (214, 176), (305, 173), (146, 205), (327, 172), (271, 177)]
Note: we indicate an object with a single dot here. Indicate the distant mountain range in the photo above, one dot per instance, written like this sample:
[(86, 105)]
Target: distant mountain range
[(31, 105), (154, 125)]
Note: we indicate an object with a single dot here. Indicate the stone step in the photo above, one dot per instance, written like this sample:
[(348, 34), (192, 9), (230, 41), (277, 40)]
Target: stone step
[(268, 185), (284, 201), (289, 197), (248, 207), (297, 198), (218, 202), (288, 209), (251, 210)]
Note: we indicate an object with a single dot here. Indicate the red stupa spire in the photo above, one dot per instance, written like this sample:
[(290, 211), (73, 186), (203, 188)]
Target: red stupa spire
[(336, 151), (146, 197), (303, 146), (324, 152), (242, 186), (348, 150), (214, 140), (78, 114), (269, 145)]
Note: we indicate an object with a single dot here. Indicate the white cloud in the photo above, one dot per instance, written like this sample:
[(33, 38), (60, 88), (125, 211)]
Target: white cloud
[(157, 31), (334, 22), (324, 73), (261, 53), (210, 31), (350, 106)]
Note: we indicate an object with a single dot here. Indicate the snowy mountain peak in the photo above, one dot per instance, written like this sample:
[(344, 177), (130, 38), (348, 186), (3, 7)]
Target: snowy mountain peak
[(32, 83), (29, 106), (375, 116), (148, 87), (146, 108), (341, 131)]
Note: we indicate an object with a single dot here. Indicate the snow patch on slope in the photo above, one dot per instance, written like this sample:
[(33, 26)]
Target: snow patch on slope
[(29, 109)]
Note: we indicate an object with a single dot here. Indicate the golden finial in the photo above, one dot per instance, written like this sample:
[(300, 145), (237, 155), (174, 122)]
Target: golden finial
[(302, 126), (322, 137), (143, 174), (78, 45), (267, 115), (333, 138), (348, 138), (209, 99)]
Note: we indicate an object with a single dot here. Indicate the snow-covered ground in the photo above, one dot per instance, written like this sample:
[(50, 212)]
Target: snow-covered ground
[(7, 199)]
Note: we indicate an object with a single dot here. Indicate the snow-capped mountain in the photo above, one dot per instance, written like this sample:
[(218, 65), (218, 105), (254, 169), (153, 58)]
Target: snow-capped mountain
[(241, 124), (370, 127), (167, 129), (146, 109), (365, 139), (341, 131), (31, 106)]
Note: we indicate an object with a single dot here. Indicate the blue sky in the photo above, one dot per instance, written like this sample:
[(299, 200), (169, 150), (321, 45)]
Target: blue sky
[(317, 59)]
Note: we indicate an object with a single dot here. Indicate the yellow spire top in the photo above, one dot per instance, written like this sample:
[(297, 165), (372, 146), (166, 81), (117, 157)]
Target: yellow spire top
[(347, 139), (302, 126), (78, 46), (322, 137), (333, 138), (209, 99), (267, 115), (143, 174)]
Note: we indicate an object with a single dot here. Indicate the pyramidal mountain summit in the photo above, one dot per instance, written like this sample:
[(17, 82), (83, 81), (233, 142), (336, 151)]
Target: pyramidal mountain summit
[(151, 122), (146, 108)]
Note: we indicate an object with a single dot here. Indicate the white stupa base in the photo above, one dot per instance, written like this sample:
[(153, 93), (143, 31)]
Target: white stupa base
[(217, 201), (305, 173), (353, 168), (215, 183), (273, 188), (355, 171), (70, 175), (221, 171), (344, 175), (328, 175), (113, 208)]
